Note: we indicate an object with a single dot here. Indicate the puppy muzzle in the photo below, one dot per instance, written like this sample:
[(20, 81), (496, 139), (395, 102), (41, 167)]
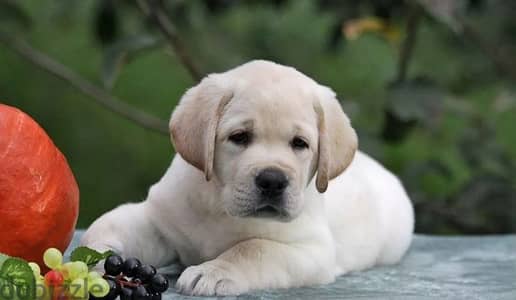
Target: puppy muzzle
[(271, 184)]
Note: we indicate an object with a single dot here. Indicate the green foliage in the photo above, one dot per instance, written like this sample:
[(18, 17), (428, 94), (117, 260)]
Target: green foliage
[(447, 129), (120, 52), (89, 256)]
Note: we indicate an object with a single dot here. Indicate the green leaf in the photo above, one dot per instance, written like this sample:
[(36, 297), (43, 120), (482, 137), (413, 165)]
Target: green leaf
[(418, 100), (89, 256), (16, 280), (121, 52)]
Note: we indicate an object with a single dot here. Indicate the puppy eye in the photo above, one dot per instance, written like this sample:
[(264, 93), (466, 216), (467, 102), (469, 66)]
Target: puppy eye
[(242, 138), (298, 143)]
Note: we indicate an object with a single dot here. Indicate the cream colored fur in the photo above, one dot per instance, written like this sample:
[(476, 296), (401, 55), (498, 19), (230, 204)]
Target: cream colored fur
[(341, 211)]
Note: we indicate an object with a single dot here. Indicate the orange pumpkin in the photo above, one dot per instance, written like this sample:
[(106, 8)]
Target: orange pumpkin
[(39, 197)]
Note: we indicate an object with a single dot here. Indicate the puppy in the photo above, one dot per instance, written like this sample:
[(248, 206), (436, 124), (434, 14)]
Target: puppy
[(248, 203)]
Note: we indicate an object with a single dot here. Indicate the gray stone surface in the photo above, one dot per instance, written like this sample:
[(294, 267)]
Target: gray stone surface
[(435, 268)]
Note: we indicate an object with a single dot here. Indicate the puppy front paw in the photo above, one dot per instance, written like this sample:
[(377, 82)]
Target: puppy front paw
[(212, 278)]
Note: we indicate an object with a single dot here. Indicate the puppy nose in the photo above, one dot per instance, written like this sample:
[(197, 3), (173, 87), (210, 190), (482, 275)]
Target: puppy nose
[(272, 182)]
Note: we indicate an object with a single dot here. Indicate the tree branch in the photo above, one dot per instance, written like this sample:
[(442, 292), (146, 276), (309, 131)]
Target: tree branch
[(407, 48), (99, 95), (395, 129), (154, 10)]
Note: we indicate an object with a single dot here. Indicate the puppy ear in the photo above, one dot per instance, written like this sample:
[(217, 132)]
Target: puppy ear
[(194, 122), (338, 141)]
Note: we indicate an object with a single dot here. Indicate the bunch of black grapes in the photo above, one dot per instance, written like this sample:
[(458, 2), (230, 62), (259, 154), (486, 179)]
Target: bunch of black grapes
[(131, 280)]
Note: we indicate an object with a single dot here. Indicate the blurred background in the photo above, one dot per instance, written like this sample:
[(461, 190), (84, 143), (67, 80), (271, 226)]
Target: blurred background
[(429, 86)]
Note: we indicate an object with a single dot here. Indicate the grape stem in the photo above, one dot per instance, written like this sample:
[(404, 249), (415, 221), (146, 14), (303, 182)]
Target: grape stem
[(123, 281)]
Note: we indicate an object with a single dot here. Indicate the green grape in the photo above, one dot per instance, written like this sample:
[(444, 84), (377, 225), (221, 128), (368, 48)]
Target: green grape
[(75, 269), (77, 289), (35, 269), (66, 270), (53, 258), (81, 269), (92, 275), (42, 291), (98, 287)]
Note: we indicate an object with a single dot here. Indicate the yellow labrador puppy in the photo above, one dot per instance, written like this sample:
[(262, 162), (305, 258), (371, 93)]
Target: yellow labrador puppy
[(268, 190)]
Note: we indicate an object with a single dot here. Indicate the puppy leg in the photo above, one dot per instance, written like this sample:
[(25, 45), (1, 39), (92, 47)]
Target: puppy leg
[(259, 264), (128, 231)]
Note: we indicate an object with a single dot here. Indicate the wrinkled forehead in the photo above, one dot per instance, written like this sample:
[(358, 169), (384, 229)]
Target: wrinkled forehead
[(271, 107)]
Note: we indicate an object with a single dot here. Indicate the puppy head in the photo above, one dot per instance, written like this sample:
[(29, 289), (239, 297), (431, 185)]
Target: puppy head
[(263, 130)]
